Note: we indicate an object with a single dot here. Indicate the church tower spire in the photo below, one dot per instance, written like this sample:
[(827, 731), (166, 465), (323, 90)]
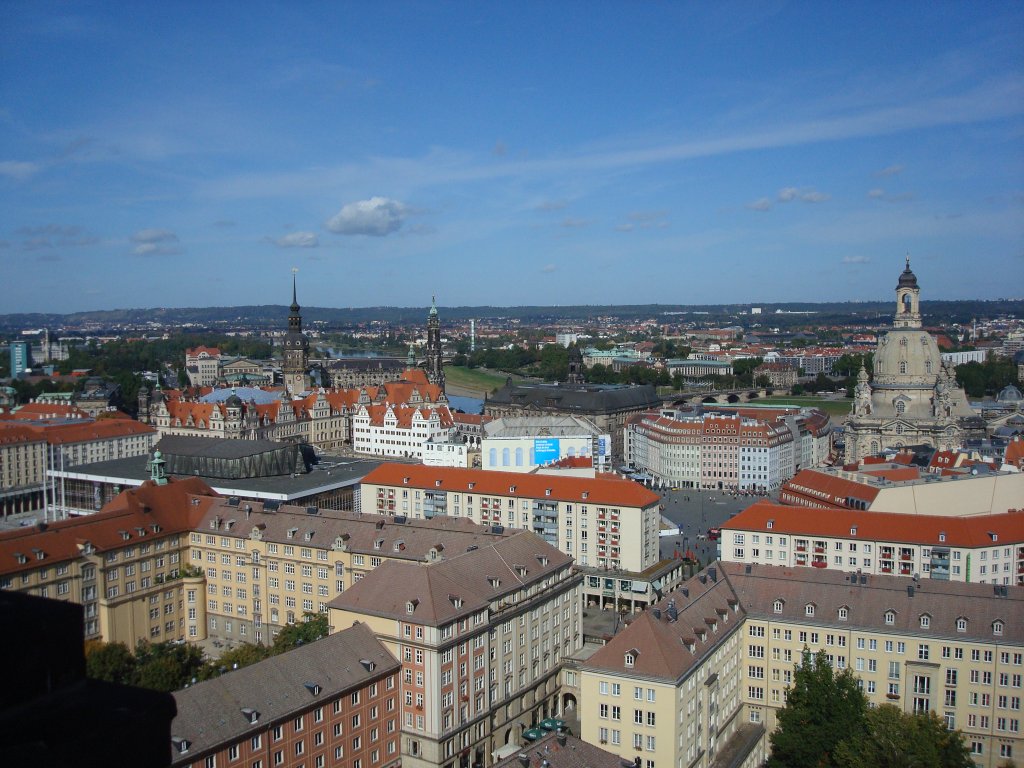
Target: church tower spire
[(296, 348), (908, 300), (435, 360)]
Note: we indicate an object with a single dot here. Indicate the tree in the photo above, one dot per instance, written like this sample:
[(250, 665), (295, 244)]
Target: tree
[(112, 662), (168, 666), (897, 739), (821, 710), (312, 627)]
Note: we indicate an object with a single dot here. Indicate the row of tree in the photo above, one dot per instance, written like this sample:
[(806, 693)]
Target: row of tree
[(171, 666)]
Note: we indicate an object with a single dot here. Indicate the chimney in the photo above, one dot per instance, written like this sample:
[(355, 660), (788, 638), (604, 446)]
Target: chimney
[(560, 738), (910, 591), (524, 760), (713, 574), (656, 613)]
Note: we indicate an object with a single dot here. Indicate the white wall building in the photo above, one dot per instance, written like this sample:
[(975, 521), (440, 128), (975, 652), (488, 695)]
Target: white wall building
[(522, 444), (399, 431)]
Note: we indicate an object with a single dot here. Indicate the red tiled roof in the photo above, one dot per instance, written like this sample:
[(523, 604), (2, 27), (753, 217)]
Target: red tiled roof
[(19, 434), (49, 411), (823, 489), (168, 506), (903, 473), (599, 490), (879, 526)]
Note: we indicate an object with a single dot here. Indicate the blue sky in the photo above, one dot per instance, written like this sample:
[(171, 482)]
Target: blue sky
[(191, 154)]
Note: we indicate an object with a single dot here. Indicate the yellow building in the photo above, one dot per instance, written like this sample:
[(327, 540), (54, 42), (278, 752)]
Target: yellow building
[(125, 565), (723, 647)]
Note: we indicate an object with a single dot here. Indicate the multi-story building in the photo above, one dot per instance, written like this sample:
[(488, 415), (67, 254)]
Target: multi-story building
[(905, 490), (22, 470), (102, 440), (521, 444), (202, 365), (446, 451), (481, 637), (694, 369), (602, 521), (713, 660), (331, 702), (266, 565), (982, 548), (126, 565), (606, 405), (399, 430), (779, 375), (717, 451)]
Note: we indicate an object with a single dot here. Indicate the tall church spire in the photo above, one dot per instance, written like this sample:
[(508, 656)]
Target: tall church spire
[(296, 348), (435, 360)]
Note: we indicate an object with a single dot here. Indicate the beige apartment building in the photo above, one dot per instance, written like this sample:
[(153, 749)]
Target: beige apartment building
[(481, 636), (126, 566), (266, 565), (711, 663), (22, 470), (982, 548)]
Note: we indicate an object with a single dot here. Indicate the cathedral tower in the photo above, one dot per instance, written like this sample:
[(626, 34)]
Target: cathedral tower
[(296, 350), (435, 362)]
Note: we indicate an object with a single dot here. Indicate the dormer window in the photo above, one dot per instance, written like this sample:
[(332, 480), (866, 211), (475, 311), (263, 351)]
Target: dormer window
[(777, 606), (378, 543), (853, 530), (890, 617), (313, 688), (844, 613), (251, 715), (926, 621), (547, 491), (411, 606), (809, 609), (942, 536), (630, 659), (181, 744), (292, 532), (770, 524), (997, 627), (437, 483), (961, 624), (511, 489)]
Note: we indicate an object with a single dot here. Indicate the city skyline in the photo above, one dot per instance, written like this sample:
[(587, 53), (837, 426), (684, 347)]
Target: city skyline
[(576, 154)]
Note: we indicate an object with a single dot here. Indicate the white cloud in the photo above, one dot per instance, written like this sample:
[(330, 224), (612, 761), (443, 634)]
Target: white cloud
[(892, 170), (761, 204), (155, 249), (377, 216), (298, 240), (18, 170), (814, 196), (876, 194), (548, 268), (786, 194), (154, 236), (855, 260), (625, 227), (571, 223)]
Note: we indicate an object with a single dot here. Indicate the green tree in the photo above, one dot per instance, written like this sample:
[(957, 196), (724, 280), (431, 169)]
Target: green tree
[(312, 627), (897, 739), (168, 666), (112, 662), (821, 710)]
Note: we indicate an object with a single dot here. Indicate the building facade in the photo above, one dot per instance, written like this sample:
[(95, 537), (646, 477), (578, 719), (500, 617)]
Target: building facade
[(522, 444), (481, 637)]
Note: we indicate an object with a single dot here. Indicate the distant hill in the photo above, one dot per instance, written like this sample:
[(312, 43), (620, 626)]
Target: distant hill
[(275, 316)]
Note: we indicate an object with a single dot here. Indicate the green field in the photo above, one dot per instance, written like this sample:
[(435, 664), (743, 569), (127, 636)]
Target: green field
[(832, 407), (473, 379)]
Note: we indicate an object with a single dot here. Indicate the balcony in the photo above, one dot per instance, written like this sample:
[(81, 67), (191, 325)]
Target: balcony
[(801, 548), (886, 570), (819, 564), (906, 557), (819, 550)]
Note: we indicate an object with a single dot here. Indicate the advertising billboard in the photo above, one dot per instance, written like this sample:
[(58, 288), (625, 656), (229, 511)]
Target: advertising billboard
[(546, 450)]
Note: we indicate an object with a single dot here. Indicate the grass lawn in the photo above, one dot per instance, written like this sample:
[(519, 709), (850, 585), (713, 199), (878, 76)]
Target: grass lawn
[(473, 378), (839, 407)]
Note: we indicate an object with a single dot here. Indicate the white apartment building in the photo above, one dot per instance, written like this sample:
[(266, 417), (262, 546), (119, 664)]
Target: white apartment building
[(984, 548), (714, 451), (602, 522)]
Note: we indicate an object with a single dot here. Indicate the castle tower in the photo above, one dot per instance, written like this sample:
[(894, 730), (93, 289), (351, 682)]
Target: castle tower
[(435, 363), (296, 349)]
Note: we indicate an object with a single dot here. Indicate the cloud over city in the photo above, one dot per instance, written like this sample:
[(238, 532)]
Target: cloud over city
[(155, 242), (297, 240), (377, 217)]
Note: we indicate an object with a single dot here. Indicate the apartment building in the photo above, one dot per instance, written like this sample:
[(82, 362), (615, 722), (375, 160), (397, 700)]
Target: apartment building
[(481, 637), (267, 564), (712, 451), (202, 364), (331, 702), (603, 522), (126, 565), (983, 548), (715, 657), (22, 470)]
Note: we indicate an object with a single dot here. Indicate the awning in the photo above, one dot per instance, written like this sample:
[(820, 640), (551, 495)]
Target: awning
[(533, 734), (552, 724)]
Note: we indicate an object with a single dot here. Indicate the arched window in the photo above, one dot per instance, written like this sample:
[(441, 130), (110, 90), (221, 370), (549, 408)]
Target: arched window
[(777, 606), (890, 617), (928, 366), (519, 457), (901, 406), (505, 457), (903, 366), (493, 457)]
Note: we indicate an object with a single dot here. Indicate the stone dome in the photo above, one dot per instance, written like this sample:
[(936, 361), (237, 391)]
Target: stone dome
[(907, 357), (907, 278)]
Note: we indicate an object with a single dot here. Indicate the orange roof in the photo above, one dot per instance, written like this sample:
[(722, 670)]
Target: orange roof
[(903, 473), (405, 415), (471, 418), (195, 352), (879, 526), (19, 434), (618, 492), (64, 434), (825, 490), (133, 513), (1015, 453), (49, 411)]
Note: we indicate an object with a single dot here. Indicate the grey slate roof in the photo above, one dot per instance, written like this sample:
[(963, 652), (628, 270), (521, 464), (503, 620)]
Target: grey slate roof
[(588, 398), (458, 586), (210, 713), (182, 445), (573, 754)]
